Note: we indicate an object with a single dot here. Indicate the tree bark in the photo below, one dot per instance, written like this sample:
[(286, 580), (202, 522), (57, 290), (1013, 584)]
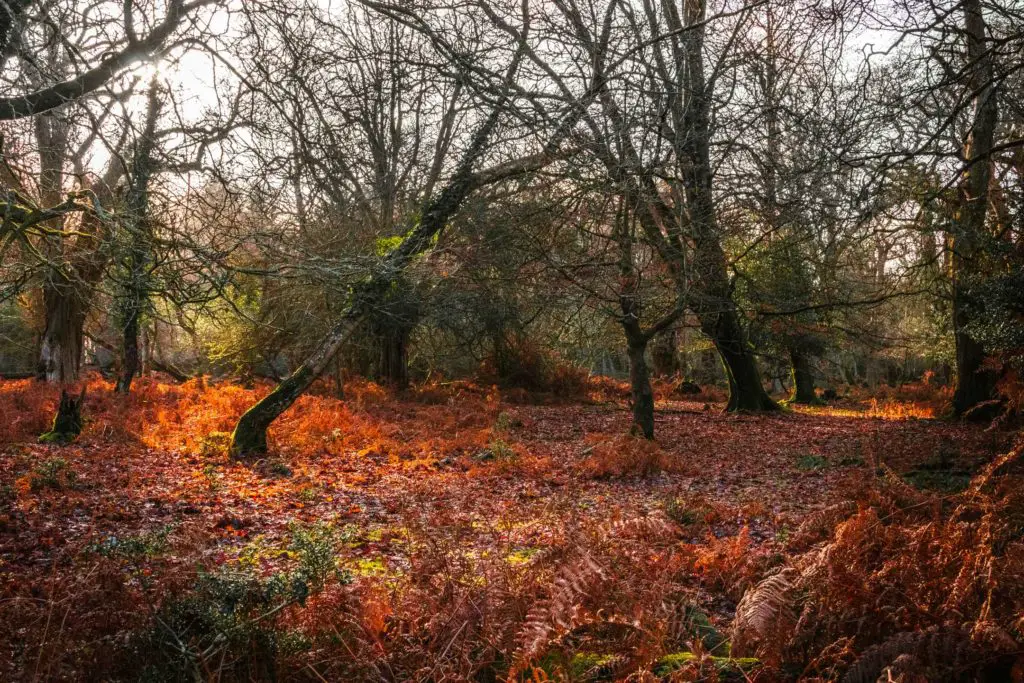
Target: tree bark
[(664, 356), (746, 392), (67, 423), (637, 338), (60, 356), (394, 357), (130, 365), (713, 304)]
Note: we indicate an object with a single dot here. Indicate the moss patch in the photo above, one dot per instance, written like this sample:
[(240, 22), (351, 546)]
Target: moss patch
[(937, 480), (727, 667)]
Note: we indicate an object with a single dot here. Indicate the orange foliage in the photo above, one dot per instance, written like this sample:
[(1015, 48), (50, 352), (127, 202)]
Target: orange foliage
[(622, 455)]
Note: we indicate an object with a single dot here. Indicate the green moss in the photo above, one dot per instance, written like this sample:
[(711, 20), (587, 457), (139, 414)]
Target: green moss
[(727, 667), (57, 438), (934, 480), (672, 662), (811, 462), (588, 667), (521, 556)]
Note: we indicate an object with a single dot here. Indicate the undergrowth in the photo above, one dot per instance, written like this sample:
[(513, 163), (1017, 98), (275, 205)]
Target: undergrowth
[(546, 576)]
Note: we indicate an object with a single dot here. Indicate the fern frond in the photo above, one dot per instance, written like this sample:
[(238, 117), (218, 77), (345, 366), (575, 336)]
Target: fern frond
[(819, 524), (767, 614), (945, 653), (554, 615)]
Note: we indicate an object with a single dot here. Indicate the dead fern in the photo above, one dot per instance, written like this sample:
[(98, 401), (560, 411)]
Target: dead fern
[(945, 654), (554, 615), (819, 524), (767, 615)]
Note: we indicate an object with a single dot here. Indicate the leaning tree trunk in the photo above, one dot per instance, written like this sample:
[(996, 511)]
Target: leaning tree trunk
[(803, 378), (250, 434), (974, 383), (720, 319)]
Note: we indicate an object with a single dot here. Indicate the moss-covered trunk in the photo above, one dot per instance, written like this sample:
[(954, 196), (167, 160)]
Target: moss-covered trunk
[(138, 257), (130, 364), (250, 434), (67, 423)]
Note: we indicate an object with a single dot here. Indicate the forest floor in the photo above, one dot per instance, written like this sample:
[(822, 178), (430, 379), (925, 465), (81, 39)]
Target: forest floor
[(420, 504)]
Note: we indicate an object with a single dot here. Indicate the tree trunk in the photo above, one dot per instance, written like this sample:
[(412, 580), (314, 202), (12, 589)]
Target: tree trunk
[(664, 355), (339, 380), (640, 388), (973, 384), (67, 423), (746, 392), (135, 296), (394, 357), (713, 304), (803, 378), (130, 365), (61, 351), (250, 434)]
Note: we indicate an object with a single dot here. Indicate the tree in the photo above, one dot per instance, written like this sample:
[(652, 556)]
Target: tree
[(250, 434), (642, 94), (974, 384), (137, 223)]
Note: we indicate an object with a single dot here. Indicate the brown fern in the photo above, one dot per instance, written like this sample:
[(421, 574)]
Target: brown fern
[(819, 524), (766, 615), (554, 615), (945, 653)]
